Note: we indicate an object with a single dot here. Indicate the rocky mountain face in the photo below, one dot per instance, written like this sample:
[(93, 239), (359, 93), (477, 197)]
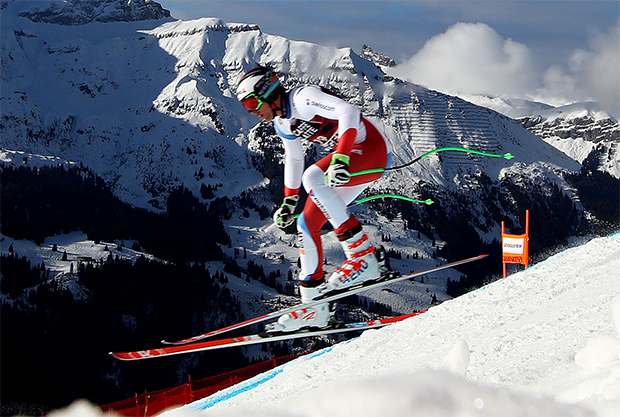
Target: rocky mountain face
[(580, 136), (376, 57), (579, 130), (79, 12)]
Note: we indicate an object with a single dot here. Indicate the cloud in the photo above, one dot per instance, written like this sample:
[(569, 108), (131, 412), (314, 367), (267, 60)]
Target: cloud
[(601, 70), (471, 58), (592, 74)]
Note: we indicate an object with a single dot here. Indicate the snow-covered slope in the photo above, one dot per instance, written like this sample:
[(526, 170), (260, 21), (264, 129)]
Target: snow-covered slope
[(543, 342)]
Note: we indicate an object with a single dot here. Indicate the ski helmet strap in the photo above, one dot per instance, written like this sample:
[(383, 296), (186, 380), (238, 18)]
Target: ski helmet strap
[(275, 108)]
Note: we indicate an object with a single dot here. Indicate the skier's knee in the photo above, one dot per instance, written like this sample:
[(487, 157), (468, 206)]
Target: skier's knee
[(313, 178)]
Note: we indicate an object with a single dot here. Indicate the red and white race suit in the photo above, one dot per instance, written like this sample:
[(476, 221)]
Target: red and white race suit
[(314, 114)]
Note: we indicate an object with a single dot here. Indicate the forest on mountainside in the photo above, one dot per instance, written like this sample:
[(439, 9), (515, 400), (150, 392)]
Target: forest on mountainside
[(599, 192), (57, 332), (42, 202)]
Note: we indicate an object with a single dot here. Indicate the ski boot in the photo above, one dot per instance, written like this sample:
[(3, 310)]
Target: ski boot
[(362, 263), (316, 317)]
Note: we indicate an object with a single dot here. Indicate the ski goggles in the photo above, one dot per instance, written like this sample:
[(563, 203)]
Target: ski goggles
[(252, 102)]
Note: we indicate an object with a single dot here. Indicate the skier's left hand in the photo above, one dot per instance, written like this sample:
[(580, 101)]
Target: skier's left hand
[(338, 171)]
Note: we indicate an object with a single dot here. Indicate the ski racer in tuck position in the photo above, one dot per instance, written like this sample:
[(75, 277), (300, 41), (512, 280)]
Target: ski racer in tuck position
[(309, 112)]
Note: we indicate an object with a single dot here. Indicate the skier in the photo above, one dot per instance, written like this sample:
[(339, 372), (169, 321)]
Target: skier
[(309, 112)]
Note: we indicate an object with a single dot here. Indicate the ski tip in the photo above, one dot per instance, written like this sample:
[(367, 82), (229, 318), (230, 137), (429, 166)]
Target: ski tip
[(125, 356), (117, 355), (177, 343)]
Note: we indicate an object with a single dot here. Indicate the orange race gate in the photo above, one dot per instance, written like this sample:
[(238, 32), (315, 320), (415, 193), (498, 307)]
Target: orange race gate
[(516, 248)]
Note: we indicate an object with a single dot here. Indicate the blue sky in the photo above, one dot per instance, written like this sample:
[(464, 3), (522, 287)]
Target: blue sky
[(400, 28), (552, 45)]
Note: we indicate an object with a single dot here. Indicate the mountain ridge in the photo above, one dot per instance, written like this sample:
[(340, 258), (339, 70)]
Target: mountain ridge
[(77, 12)]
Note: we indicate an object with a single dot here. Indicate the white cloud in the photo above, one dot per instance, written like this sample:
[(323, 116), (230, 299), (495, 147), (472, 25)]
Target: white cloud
[(472, 58), (592, 74), (559, 87), (601, 76)]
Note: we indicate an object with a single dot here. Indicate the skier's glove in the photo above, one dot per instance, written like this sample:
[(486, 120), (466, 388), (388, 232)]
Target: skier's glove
[(283, 216), (338, 171)]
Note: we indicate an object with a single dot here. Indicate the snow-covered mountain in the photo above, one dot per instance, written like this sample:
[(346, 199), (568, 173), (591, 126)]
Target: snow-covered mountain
[(580, 132), (77, 12), (577, 129), (542, 342), (376, 57), (149, 105)]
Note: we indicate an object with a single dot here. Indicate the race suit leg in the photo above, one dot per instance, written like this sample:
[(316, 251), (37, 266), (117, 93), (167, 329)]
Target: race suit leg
[(325, 203), (309, 226)]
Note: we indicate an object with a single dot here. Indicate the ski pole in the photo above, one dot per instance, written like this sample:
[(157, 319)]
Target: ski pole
[(448, 148), (400, 197), (374, 197)]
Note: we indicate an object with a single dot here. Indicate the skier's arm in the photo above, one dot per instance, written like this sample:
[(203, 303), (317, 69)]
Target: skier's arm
[(293, 158), (293, 166), (311, 101), (293, 170)]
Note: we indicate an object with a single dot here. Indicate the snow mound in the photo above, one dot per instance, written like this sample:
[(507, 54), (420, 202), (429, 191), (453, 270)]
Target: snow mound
[(601, 351)]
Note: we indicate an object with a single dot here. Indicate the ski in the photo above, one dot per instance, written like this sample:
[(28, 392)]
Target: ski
[(388, 278), (254, 339)]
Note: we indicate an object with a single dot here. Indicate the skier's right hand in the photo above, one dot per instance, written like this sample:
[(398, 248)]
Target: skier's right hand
[(338, 171), (283, 216)]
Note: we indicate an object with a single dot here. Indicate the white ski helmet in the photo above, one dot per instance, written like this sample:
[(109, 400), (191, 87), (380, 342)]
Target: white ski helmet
[(261, 82)]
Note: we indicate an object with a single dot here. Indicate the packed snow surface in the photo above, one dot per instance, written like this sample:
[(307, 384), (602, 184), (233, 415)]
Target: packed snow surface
[(542, 342)]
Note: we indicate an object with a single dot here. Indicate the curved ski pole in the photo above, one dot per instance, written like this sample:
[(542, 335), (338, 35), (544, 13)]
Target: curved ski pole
[(413, 200), (507, 156), (399, 197), (428, 201)]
